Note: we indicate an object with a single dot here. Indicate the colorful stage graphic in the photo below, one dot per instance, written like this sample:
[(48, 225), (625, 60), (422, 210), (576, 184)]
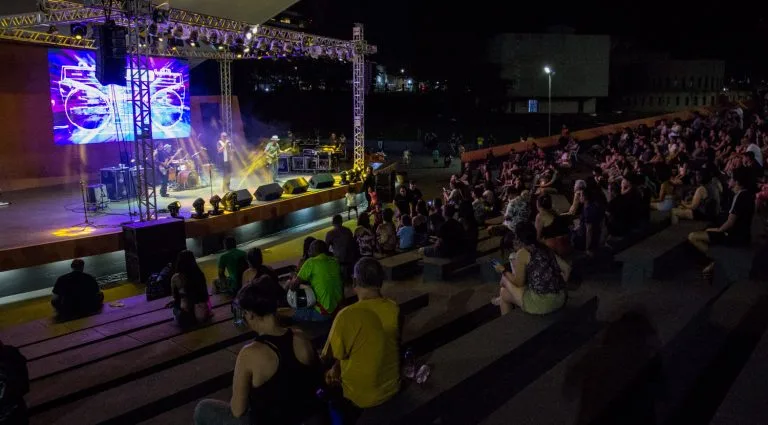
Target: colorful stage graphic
[(86, 112)]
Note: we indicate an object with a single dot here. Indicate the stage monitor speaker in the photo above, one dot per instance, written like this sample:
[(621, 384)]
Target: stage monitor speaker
[(118, 183), (95, 195), (269, 192), (242, 199), (151, 245), (321, 181), (295, 186), (111, 54)]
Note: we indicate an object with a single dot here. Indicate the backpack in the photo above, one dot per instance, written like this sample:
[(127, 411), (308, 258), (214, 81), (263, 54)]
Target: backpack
[(159, 284)]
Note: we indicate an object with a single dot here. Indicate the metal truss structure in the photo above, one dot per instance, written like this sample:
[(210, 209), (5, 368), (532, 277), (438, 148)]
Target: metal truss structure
[(138, 65), (358, 96), (225, 79), (137, 16)]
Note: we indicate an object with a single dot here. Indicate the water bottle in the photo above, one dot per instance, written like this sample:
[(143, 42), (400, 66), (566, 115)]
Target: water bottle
[(409, 364), (237, 315), (423, 374)]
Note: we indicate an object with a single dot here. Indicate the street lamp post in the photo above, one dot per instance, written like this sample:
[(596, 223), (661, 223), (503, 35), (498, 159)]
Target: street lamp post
[(550, 72)]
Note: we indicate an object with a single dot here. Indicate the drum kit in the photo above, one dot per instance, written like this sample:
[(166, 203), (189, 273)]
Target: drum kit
[(184, 175)]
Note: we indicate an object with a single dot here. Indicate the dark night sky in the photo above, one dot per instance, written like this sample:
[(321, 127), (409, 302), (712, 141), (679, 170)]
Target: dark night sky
[(424, 34)]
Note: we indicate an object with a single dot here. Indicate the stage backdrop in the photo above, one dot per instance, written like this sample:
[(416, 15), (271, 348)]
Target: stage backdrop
[(29, 156)]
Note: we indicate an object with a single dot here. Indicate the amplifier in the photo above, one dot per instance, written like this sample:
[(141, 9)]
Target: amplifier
[(118, 183)]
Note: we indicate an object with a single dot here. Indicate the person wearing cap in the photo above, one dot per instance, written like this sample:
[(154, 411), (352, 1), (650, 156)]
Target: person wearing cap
[(225, 149), (272, 151), (163, 158), (76, 293)]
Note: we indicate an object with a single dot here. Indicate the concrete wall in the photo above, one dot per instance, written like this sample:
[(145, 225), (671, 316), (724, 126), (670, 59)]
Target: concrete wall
[(581, 64)]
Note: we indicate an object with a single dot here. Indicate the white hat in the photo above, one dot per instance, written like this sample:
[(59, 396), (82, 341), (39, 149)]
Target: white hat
[(275, 138)]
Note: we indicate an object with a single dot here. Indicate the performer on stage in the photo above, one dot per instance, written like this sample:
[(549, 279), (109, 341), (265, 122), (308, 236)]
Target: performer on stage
[(164, 159), (225, 149), (272, 151)]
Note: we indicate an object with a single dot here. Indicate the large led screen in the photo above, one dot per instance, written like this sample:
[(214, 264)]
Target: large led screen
[(86, 112)]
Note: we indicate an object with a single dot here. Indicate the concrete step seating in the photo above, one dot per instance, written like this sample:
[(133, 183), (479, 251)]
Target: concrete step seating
[(588, 385), (441, 269), (403, 265), (746, 399), (131, 381), (650, 257), (505, 346)]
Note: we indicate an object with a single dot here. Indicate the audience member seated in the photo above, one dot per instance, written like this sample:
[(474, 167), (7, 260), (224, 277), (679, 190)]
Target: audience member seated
[(705, 204), (232, 264), (625, 210), (320, 272), (665, 200), (414, 195), (421, 223), (276, 376), (518, 210), (76, 293), (478, 205), (548, 181), (341, 242), (436, 218), (470, 225), (386, 233), (551, 228), (450, 237), (363, 347), (402, 201), (453, 195), (364, 236), (737, 229), (406, 234), (14, 385), (189, 291), (588, 232), (576, 206), (305, 251), (257, 269), (536, 279)]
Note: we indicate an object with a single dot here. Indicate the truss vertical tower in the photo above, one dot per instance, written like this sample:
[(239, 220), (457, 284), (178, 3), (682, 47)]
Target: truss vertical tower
[(358, 95), (139, 13), (225, 79)]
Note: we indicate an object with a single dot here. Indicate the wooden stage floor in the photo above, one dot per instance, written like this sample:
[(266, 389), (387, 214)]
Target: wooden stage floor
[(48, 224)]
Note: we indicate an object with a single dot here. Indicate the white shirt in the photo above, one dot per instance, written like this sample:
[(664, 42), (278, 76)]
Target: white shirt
[(758, 153), (226, 149)]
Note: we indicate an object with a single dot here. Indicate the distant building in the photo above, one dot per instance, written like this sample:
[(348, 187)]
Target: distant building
[(580, 64), (660, 84)]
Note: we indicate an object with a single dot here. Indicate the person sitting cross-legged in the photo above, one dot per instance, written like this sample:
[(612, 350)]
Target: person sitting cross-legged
[(76, 293), (276, 376), (536, 280), (363, 347), (322, 273), (231, 266), (190, 302)]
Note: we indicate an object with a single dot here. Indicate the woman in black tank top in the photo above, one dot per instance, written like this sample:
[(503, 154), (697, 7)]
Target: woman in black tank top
[(276, 377)]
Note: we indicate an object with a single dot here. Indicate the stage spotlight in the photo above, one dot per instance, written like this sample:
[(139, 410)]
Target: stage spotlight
[(199, 206), (193, 38), (343, 176), (274, 46), (160, 15), (174, 208), (230, 202), (261, 44), (287, 47), (78, 30), (52, 30), (215, 201)]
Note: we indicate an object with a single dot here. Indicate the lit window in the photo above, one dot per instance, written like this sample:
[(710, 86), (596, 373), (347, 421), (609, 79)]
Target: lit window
[(533, 105)]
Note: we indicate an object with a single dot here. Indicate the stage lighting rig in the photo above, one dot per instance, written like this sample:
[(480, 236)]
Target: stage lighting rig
[(199, 206), (343, 176), (215, 201), (174, 208), (193, 38), (78, 30), (230, 202)]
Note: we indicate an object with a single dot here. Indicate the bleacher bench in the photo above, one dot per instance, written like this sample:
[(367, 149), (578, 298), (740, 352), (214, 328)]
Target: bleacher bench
[(439, 269)]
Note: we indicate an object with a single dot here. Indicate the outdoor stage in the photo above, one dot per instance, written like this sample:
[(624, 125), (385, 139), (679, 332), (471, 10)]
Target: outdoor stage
[(46, 225)]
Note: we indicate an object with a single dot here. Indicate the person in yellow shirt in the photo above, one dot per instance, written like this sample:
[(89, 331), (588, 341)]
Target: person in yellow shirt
[(363, 346)]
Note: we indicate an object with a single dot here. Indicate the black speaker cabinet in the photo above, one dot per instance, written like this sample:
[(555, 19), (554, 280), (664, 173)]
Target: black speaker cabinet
[(269, 192), (295, 186), (118, 183), (321, 181), (111, 54), (151, 245)]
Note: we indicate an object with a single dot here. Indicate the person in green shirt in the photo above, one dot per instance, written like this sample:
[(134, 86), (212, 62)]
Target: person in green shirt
[(322, 273), (231, 264)]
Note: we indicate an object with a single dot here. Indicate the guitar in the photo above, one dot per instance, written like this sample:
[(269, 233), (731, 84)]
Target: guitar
[(164, 166), (273, 152)]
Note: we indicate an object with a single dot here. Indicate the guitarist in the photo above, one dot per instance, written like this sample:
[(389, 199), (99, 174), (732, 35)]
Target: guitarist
[(225, 149), (164, 158), (272, 152)]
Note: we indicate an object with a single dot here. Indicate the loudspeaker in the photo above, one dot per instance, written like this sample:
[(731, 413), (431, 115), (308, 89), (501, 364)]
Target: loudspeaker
[(111, 54), (295, 186), (96, 196), (321, 181), (151, 245), (269, 192), (243, 198)]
